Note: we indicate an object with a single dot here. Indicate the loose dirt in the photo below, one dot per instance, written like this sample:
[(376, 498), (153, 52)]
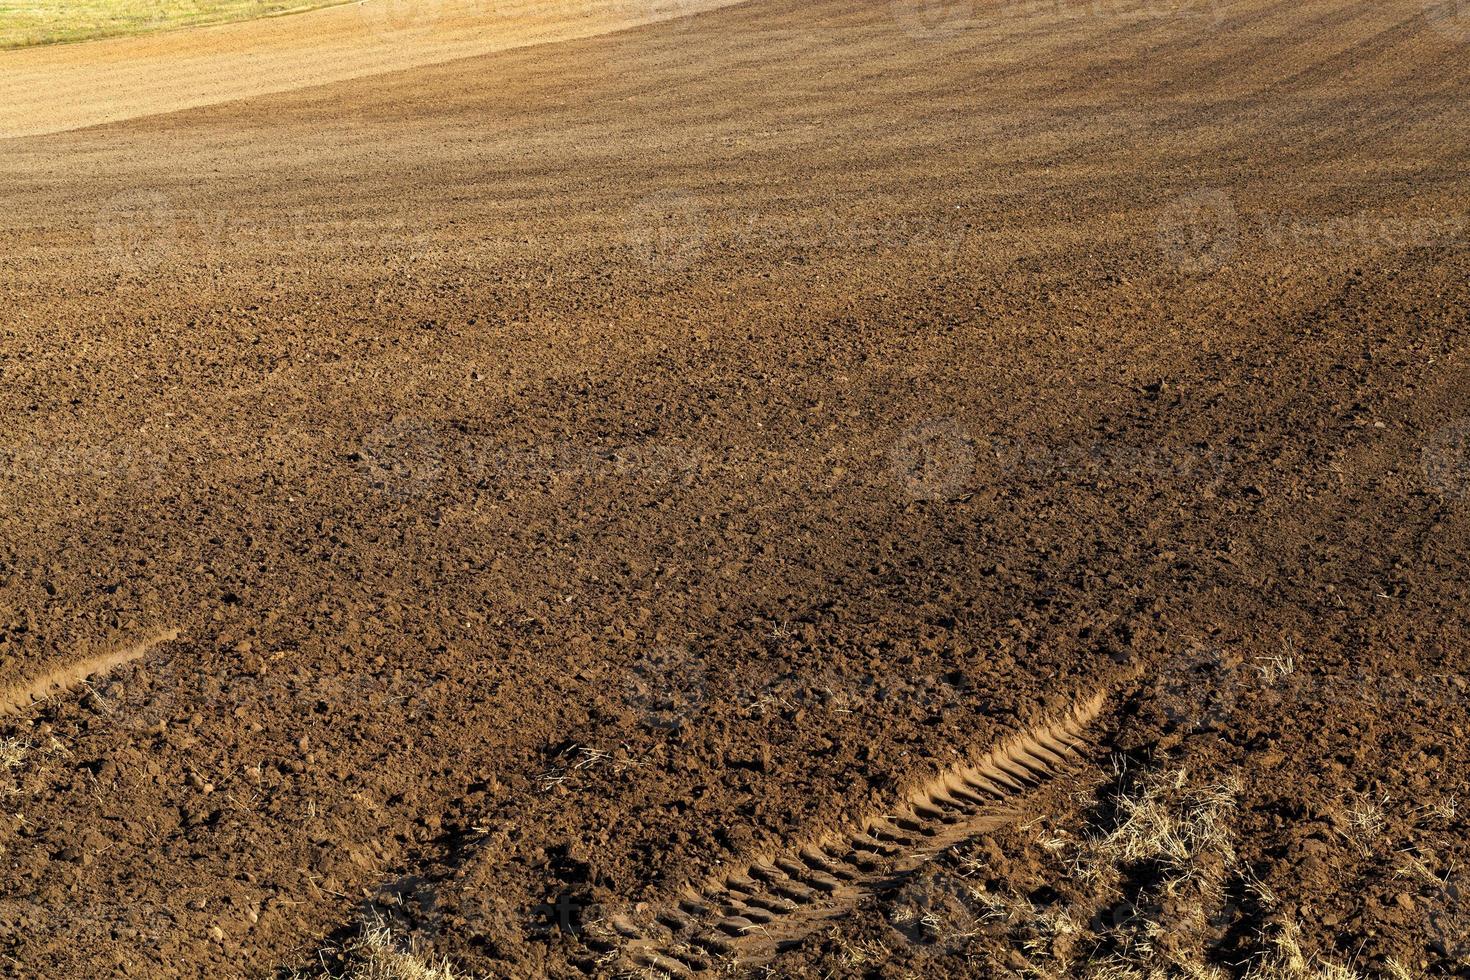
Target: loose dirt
[(581, 469)]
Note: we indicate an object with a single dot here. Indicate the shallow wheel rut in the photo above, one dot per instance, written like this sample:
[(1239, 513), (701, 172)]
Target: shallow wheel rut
[(18, 698)]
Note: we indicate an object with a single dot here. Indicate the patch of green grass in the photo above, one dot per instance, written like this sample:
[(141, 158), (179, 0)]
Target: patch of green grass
[(24, 23)]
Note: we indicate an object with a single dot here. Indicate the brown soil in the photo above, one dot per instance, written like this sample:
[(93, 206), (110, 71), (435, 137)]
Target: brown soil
[(580, 470), (48, 90)]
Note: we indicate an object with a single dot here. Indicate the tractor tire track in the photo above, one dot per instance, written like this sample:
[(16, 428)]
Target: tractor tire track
[(749, 915), (18, 698)]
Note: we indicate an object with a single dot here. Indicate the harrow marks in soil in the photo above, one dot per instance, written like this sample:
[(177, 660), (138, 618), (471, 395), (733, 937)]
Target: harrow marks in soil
[(750, 915)]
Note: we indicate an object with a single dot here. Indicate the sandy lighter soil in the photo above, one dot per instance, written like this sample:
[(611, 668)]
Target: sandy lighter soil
[(581, 470)]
